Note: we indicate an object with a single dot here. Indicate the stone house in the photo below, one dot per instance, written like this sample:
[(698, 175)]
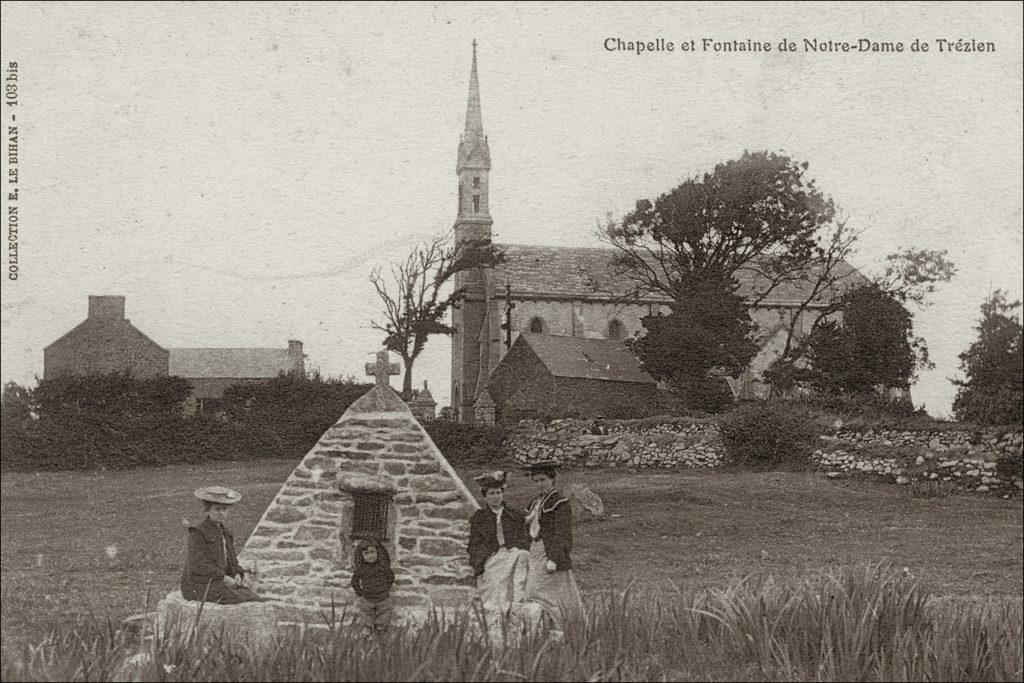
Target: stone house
[(374, 474), (550, 375), (211, 371), (104, 342), (107, 342)]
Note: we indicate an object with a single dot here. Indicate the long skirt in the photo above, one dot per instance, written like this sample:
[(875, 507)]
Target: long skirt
[(504, 579), (557, 592)]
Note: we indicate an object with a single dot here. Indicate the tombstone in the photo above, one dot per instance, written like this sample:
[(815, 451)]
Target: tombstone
[(375, 473)]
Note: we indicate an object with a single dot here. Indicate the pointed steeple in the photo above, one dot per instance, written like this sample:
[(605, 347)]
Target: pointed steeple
[(472, 167), (474, 114)]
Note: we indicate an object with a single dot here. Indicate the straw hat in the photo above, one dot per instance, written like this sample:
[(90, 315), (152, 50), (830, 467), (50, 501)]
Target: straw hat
[(218, 494)]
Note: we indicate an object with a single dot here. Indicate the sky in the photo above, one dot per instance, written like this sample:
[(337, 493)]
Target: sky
[(236, 170)]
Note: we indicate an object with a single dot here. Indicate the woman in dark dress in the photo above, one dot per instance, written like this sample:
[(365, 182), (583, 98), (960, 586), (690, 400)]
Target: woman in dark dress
[(212, 572), (550, 581), (498, 545)]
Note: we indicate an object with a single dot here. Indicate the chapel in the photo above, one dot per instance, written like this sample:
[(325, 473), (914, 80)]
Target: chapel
[(564, 292)]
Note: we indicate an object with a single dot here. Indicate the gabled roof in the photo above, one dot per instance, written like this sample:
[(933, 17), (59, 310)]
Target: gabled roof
[(584, 272), (586, 358), (91, 324), (229, 363)]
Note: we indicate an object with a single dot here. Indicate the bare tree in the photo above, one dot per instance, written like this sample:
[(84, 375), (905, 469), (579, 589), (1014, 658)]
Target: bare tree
[(415, 297)]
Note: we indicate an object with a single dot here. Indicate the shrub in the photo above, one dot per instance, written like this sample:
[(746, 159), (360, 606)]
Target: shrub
[(768, 435), (1010, 467), (468, 445), (115, 421)]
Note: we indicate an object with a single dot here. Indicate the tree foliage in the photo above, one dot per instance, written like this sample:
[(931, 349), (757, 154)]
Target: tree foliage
[(873, 346), (284, 416), (757, 215), (116, 421), (757, 218), (416, 296), (706, 337), (870, 343), (992, 391)]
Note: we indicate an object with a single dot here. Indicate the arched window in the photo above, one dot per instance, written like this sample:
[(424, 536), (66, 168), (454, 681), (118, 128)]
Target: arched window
[(615, 330), (537, 326)]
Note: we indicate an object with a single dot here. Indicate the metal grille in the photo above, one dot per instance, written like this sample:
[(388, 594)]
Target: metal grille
[(370, 517)]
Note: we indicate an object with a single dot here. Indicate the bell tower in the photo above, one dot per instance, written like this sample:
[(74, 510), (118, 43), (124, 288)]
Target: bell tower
[(473, 219), (472, 223)]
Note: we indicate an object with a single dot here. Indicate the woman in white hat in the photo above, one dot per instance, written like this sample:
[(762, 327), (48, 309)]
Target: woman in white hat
[(212, 572)]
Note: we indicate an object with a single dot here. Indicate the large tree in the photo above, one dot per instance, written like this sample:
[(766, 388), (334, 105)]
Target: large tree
[(992, 391), (873, 345), (706, 337), (758, 218), (416, 293), (756, 215), (861, 337)]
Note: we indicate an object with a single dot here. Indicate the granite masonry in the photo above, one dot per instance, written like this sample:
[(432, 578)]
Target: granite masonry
[(963, 456), (374, 473)]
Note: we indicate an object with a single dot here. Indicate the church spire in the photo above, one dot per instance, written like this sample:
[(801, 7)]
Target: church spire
[(473, 166), (474, 114)]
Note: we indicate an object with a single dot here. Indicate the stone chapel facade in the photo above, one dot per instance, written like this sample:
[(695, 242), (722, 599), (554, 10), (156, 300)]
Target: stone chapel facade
[(567, 291)]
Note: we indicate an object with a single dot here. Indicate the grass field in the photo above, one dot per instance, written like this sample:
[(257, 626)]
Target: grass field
[(100, 543)]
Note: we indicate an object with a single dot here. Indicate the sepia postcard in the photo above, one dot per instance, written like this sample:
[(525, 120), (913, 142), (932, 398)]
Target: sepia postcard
[(509, 235)]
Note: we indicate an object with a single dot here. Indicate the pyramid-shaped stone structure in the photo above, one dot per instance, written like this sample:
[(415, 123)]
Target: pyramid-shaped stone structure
[(302, 547)]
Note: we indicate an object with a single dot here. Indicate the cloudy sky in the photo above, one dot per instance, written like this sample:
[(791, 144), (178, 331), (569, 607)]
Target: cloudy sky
[(236, 170)]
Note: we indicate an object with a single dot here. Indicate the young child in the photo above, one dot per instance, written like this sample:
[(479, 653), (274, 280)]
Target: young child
[(372, 579)]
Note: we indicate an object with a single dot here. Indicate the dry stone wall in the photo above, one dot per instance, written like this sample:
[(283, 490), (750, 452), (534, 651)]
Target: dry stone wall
[(966, 457), (302, 549)]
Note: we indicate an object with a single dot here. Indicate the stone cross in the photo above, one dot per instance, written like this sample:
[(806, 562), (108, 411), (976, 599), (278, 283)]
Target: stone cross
[(382, 369)]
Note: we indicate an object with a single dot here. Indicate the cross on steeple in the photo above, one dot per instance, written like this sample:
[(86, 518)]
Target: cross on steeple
[(382, 369)]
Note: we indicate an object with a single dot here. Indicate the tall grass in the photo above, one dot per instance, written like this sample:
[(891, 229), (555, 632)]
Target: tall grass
[(862, 623)]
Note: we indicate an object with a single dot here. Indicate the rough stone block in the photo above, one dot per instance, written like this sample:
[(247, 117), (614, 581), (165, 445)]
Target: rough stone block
[(309, 532), (441, 547), (285, 570), (426, 482), (251, 621), (271, 555), (323, 553), (446, 512), (407, 448), (438, 497)]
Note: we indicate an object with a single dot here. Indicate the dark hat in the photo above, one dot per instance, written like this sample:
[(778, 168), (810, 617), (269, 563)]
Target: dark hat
[(542, 467), (220, 495), (492, 480)]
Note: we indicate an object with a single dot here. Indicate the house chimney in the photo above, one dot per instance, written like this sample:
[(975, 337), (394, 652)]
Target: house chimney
[(297, 358), (106, 307)]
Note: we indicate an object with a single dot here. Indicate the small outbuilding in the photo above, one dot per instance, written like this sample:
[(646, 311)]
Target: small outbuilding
[(546, 375)]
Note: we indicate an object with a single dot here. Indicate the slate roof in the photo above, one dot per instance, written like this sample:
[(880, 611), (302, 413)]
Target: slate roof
[(229, 363), (583, 272), (579, 357)]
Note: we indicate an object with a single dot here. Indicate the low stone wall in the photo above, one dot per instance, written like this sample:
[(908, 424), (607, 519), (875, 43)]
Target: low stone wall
[(682, 443), (966, 457)]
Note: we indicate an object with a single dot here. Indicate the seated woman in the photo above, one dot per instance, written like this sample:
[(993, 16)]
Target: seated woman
[(498, 545), (212, 572), (550, 581)]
